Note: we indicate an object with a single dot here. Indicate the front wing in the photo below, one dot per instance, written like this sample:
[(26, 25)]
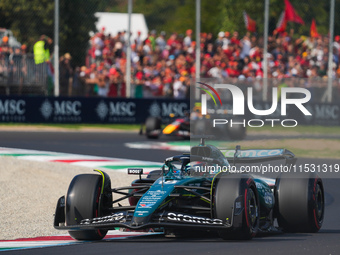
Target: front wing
[(124, 219)]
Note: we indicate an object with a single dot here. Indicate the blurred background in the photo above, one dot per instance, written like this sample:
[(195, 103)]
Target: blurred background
[(87, 52)]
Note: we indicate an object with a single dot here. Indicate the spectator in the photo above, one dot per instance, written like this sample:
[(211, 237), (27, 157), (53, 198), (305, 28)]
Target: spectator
[(220, 39), (181, 86), (16, 69), (187, 40), (65, 73), (42, 49), (246, 46), (102, 81), (98, 45), (235, 40), (226, 40), (138, 41), (160, 41), (158, 64), (78, 82), (5, 41)]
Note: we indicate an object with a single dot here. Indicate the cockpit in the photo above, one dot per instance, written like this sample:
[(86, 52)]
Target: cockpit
[(206, 160)]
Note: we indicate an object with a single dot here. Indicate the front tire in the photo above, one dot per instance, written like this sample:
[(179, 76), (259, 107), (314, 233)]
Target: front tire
[(82, 202), (236, 202), (300, 203)]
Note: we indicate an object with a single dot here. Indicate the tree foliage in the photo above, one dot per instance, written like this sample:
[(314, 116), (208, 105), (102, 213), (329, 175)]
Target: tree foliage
[(227, 15), (28, 19), (77, 20), (176, 15)]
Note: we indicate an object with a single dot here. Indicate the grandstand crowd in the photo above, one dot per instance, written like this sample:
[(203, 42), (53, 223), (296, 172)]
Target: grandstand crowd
[(162, 64)]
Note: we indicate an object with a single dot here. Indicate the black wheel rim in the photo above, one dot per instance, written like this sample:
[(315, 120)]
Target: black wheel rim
[(252, 208), (319, 203)]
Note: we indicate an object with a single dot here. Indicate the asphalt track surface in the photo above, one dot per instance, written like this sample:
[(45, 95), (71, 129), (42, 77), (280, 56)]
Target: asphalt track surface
[(326, 241)]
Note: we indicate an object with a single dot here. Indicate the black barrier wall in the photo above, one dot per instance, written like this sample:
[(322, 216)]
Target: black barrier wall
[(87, 110), (134, 111)]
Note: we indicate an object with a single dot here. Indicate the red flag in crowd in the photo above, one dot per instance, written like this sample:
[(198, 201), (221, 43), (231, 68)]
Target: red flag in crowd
[(291, 15), (250, 23), (281, 24), (313, 30)]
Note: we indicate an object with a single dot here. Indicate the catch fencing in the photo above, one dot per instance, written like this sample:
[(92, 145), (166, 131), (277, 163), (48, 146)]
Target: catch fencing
[(19, 75)]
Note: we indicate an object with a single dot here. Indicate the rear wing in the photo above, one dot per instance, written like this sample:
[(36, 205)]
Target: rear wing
[(258, 155)]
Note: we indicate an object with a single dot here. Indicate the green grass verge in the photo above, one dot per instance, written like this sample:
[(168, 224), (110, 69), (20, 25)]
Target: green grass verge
[(330, 130), (251, 130), (76, 126)]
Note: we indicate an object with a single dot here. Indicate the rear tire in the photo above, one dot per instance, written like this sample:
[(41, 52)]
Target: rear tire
[(300, 203), (236, 202), (82, 202), (152, 124)]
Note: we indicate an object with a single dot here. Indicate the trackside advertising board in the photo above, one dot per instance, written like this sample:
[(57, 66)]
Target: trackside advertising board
[(135, 111), (87, 110)]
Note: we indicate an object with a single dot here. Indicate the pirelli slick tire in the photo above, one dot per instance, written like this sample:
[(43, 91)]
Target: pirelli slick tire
[(152, 124), (300, 202), (236, 203), (237, 131), (83, 202)]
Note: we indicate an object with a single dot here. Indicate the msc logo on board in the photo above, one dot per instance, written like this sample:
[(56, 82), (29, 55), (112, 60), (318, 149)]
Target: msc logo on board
[(116, 111), (12, 110), (61, 111)]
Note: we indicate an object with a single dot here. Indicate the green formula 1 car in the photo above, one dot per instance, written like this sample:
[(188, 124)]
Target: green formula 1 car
[(197, 192)]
